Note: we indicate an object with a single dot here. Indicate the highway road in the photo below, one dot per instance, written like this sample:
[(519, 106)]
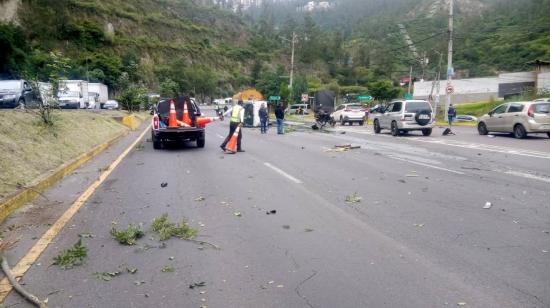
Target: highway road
[(418, 234)]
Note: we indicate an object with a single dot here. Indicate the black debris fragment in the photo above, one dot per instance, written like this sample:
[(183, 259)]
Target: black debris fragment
[(197, 285)]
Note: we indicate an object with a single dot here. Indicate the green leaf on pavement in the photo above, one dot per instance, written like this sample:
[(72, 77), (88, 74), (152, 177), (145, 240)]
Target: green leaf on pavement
[(72, 257)]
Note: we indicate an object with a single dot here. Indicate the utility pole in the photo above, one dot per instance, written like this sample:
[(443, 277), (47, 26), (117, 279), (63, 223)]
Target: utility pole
[(437, 82), (292, 60), (410, 79), (450, 69)]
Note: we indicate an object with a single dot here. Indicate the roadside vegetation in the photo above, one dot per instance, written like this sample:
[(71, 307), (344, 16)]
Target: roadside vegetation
[(29, 148), (209, 50)]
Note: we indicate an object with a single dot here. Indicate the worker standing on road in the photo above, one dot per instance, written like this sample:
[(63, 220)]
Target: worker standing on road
[(451, 115), (280, 115), (263, 119), (237, 119)]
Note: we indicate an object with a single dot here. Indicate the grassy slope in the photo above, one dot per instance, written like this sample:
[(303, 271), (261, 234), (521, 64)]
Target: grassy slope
[(28, 149), (477, 109)]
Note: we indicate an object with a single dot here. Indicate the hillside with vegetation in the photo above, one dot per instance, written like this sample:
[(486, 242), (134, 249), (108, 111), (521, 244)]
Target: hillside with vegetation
[(357, 44), (170, 45), (210, 49)]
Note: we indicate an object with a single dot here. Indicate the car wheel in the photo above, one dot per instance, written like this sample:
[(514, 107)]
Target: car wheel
[(482, 129), (548, 135), (376, 127), (427, 131), (519, 131), (394, 129), (360, 123)]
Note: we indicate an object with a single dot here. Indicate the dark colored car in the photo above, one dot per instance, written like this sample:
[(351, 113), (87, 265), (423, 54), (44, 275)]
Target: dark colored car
[(15, 93), (161, 133)]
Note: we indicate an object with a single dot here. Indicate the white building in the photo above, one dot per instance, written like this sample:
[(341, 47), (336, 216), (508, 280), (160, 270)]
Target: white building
[(465, 90)]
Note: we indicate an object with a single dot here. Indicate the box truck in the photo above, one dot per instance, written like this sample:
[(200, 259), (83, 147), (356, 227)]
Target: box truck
[(73, 94), (100, 91)]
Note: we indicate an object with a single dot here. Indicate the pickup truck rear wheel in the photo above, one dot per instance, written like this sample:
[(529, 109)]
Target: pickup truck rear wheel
[(201, 141), (157, 144)]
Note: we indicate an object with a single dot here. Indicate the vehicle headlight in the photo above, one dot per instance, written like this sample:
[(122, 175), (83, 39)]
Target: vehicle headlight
[(9, 96)]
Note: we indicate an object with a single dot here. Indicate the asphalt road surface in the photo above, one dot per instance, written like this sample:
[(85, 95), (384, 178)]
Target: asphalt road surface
[(418, 235)]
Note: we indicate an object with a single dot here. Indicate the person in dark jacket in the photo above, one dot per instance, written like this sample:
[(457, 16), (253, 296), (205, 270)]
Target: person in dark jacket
[(263, 119), (451, 114), (280, 115)]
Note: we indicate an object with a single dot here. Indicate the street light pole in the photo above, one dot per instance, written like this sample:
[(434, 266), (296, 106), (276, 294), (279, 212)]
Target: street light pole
[(450, 70)]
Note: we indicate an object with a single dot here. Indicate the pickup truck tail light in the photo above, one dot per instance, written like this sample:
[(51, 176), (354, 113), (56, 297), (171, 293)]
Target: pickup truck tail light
[(156, 121), (531, 111)]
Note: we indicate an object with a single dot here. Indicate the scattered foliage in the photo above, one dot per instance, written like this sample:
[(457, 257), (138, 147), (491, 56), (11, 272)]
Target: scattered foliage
[(353, 198), (72, 257), (167, 229), (129, 236)]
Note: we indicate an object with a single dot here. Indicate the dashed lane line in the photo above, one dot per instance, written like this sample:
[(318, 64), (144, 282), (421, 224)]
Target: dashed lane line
[(281, 172), (426, 165)]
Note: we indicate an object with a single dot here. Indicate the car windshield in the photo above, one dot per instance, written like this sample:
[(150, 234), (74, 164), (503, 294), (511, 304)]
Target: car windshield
[(69, 94), (542, 108), (417, 106), (10, 85)]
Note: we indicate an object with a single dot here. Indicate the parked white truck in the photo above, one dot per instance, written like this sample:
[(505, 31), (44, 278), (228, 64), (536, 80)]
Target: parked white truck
[(101, 93), (73, 94)]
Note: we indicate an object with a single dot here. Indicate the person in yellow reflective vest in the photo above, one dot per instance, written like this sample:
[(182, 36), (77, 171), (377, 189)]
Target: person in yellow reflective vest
[(237, 119)]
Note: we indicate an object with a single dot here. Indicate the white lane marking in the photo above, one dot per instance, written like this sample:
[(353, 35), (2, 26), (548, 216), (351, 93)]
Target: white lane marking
[(281, 172), (427, 165), (219, 136), (486, 147), (527, 175), (465, 145)]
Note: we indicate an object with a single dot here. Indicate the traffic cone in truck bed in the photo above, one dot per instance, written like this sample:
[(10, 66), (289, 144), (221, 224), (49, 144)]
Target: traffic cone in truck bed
[(202, 121), (232, 144), (172, 121), (186, 118)]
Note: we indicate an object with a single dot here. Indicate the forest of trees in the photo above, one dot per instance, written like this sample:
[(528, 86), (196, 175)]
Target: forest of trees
[(213, 50)]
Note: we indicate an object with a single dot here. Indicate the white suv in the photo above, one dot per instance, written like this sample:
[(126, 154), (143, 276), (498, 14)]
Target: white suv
[(349, 113), (405, 115)]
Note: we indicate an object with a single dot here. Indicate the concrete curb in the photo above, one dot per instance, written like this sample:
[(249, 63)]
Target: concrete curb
[(26, 195)]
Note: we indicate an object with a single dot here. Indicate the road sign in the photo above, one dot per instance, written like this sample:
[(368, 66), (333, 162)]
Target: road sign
[(274, 98), (450, 89), (364, 98), (408, 96)]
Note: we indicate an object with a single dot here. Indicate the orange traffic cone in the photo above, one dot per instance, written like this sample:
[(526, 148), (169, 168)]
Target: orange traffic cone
[(186, 118), (172, 121), (232, 144), (202, 121)]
